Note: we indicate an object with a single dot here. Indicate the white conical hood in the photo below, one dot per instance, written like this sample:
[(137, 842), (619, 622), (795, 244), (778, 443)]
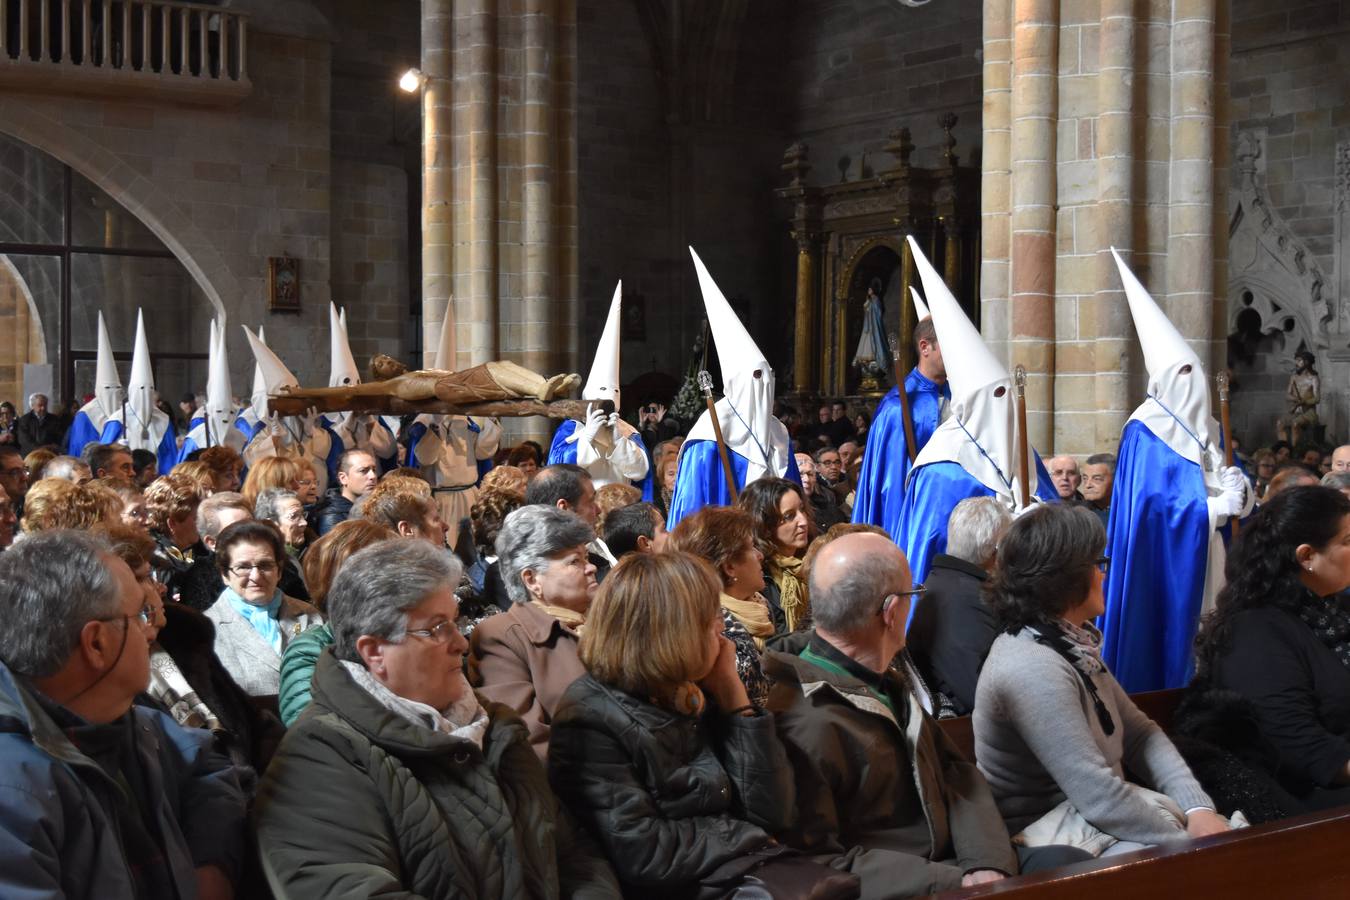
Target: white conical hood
[(141, 387), (269, 373), (981, 434), (920, 308), (1176, 377), (341, 365), (107, 383), (220, 411), (603, 383), (746, 408), (445, 342)]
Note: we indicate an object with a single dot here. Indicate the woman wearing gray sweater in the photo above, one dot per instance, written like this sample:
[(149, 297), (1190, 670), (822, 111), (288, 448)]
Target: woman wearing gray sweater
[(1054, 731)]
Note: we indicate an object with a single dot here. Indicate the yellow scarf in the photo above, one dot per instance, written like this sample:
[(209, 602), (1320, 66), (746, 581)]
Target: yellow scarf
[(786, 574), (569, 617), (753, 614)]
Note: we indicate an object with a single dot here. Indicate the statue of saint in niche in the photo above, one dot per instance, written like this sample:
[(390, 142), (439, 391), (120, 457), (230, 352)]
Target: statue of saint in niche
[(1304, 393)]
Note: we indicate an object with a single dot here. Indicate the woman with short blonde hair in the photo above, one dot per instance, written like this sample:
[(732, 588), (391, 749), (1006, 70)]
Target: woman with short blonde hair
[(680, 792), (199, 473), (271, 472), (55, 503)]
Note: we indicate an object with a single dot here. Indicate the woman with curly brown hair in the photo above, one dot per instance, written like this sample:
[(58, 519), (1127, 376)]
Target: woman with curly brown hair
[(486, 516), (725, 537), (783, 529), (225, 466), (54, 503), (171, 503), (1054, 730)]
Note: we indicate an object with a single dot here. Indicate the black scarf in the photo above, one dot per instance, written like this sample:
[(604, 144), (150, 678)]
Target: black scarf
[(1329, 618), (1081, 648)]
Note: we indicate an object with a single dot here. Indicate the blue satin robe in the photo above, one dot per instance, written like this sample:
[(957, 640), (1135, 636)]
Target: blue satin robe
[(1158, 542), (700, 482), (933, 492), (81, 432), (166, 454), (881, 480), (564, 451)]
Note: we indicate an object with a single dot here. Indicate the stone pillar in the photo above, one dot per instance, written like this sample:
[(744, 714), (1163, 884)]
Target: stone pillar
[(1115, 132), (500, 210), (1104, 125), (438, 252), (1034, 114), (804, 333), (537, 178)]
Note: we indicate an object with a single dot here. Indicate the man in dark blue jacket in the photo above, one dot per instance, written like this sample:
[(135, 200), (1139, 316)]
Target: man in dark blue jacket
[(99, 799)]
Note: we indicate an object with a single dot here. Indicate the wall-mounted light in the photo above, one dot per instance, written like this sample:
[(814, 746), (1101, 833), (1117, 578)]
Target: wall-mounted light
[(411, 80)]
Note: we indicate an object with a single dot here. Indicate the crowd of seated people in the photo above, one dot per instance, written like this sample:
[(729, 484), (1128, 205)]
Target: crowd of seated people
[(223, 686)]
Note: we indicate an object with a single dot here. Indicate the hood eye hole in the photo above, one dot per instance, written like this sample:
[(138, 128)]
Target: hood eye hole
[(758, 373), (1186, 369), (1000, 391)]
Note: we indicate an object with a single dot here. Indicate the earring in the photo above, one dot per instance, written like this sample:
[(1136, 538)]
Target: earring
[(734, 579)]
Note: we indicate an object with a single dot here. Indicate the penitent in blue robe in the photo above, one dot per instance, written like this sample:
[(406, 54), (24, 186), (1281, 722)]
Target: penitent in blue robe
[(418, 430), (932, 494), (885, 463), (166, 454), (82, 431), (564, 451), (1158, 543), (700, 482), (336, 448)]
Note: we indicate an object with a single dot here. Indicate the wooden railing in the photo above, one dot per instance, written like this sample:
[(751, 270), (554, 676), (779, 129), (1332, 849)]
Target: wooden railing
[(192, 52)]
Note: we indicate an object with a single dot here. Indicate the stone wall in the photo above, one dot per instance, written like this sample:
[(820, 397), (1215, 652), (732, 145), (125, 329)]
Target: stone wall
[(860, 68), (1291, 104)]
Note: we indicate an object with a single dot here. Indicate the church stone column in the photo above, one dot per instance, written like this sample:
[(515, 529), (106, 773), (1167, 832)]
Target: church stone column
[(500, 168), (804, 335), (438, 265), (1132, 122)]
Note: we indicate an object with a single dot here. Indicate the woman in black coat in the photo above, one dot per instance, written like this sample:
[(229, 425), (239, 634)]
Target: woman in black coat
[(1274, 658), (658, 750)]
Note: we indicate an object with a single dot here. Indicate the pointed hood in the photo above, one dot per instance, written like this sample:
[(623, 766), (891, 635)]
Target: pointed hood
[(219, 393), (920, 308), (445, 343), (603, 383), (141, 388), (1176, 379), (341, 365), (981, 434), (270, 374), (746, 408), (107, 383)]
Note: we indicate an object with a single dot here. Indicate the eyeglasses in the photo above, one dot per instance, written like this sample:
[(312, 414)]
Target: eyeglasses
[(264, 567), (145, 615), (1104, 563), (437, 634), (917, 591)]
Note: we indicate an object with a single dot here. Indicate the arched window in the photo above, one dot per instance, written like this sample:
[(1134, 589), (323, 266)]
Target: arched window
[(68, 251)]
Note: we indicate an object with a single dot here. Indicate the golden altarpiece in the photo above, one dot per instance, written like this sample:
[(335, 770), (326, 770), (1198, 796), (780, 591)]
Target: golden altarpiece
[(851, 235)]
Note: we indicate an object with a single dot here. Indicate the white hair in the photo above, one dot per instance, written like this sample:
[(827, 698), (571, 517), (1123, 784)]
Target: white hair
[(974, 529)]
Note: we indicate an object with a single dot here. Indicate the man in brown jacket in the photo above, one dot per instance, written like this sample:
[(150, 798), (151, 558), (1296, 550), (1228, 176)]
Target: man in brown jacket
[(878, 784)]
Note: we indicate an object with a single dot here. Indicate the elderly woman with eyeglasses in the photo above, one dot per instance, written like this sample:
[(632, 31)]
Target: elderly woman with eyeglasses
[(398, 779), (527, 656), (1054, 730), (254, 620)]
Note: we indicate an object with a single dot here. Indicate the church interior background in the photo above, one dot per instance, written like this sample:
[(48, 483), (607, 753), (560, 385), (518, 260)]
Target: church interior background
[(156, 155)]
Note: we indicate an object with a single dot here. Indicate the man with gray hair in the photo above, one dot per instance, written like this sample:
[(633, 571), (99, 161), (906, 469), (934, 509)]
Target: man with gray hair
[(201, 584), (879, 786), (881, 791), (953, 628), (39, 427), (99, 798), (68, 468), (1099, 474)]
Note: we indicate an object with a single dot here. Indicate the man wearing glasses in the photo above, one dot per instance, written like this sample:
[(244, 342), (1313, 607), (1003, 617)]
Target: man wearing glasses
[(99, 798), (877, 782)]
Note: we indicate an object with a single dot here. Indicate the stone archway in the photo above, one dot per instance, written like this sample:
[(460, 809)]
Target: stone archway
[(136, 192)]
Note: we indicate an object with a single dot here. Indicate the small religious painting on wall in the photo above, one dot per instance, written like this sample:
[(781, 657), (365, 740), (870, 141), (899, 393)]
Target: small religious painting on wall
[(634, 322), (283, 284)]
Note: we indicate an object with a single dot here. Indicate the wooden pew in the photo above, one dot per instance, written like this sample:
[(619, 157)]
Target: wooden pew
[(1295, 858), (1157, 705)]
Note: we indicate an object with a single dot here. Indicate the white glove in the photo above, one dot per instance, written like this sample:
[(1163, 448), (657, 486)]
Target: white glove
[(1231, 502), (595, 420), (613, 419)]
